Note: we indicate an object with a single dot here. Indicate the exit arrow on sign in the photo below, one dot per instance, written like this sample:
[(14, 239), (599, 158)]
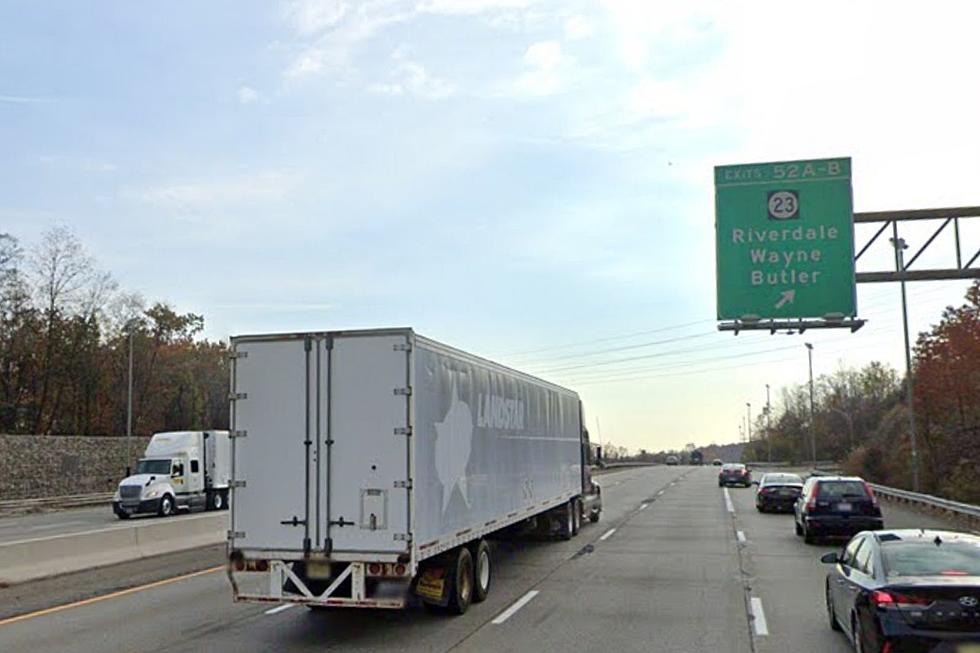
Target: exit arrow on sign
[(787, 297)]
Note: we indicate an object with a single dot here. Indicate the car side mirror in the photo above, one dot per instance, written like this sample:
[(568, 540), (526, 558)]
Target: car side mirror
[(830, 558), (755, 482)]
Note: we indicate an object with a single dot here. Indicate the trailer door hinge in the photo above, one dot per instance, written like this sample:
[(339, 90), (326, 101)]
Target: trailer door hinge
[(235, 534), (236, 484), (295, 521), (237, 434), (403, 537), (235, 396), (404, 391), (402, 347), (403, 430), (237, 354), (404, 484)]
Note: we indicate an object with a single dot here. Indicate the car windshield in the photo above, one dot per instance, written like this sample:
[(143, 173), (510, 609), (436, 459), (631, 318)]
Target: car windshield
[(782, 479), (161, 467), (926, 558), (842, 489)]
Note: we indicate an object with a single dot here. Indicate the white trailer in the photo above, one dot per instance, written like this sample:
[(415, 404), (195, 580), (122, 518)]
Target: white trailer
[(372, 466), (180, 470)]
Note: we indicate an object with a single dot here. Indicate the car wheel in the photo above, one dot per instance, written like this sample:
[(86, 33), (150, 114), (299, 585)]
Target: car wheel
[(830, 611), (217, 501), (166, 506), (483, 573), (461, 592), (799, 529), (808, 537), (122, 514)]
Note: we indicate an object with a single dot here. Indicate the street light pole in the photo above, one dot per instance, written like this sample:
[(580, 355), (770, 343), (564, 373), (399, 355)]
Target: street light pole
[(129, 404), (900, 247), (768, 431), (813, 426)]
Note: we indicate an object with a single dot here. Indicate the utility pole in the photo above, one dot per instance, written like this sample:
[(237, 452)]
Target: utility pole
[(768, 431), (813, 425), (900, 247), (748, 418)]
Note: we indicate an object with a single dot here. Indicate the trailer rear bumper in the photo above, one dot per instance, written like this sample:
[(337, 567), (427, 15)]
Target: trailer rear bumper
[(351, 588)]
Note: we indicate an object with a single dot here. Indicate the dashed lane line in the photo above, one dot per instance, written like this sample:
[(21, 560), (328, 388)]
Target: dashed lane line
[(607, 534), (741, 537), (517, 605), (728, 502), (759, 617), (280, 608)]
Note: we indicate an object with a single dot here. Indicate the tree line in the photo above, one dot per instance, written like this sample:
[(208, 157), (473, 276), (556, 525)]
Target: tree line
[(861, 418), (65, 333)]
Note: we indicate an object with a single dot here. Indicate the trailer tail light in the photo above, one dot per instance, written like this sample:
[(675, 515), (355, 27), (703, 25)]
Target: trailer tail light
[(240, 564), (253, 565), (400, 569), (374, 569)]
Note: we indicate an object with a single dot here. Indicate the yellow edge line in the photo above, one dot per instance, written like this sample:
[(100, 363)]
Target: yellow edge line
[(106, 597)]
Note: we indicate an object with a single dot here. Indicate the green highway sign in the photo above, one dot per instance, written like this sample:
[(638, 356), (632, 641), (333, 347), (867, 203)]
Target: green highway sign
[(784, 239)]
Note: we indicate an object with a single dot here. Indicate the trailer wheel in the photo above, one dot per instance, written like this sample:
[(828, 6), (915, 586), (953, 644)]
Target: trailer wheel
[(166, 506), (566, 521), (461, 592), (483, 571), (576, 516)]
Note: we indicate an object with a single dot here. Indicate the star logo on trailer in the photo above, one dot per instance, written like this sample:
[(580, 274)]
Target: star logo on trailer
[(969, 601)]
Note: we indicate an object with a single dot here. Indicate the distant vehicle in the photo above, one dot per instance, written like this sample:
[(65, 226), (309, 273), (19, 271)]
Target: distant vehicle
[(181, 470), (906, 590), (671, 460), (415, 455), (734, 474), (697, 458), (718, 462), (836, 506), (778, 492)]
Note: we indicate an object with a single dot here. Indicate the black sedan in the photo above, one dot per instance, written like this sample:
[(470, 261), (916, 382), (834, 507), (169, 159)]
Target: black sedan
[(734, 474), (836, 506), (778, 492), (902, 591)]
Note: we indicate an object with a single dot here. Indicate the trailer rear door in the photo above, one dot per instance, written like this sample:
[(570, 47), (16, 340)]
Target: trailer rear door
[(368, 471), (271, 414)]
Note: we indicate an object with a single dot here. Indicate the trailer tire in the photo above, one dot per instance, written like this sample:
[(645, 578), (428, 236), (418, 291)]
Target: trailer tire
[(166, 508), (566, 521), (482, 571), (461, 590), (576, 516)]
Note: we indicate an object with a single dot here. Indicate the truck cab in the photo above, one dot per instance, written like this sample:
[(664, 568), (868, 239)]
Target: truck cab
[(180, 470)]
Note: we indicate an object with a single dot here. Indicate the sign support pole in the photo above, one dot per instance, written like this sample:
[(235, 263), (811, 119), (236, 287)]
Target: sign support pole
[(900, 247)]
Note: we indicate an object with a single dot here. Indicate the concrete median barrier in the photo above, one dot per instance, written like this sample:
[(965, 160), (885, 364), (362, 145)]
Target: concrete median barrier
[(35, 558)]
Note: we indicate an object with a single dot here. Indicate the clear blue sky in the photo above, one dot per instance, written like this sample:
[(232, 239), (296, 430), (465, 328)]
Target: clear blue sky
[(503, 175)]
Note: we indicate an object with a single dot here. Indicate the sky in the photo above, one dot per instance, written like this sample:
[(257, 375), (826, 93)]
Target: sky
[(528, 181)]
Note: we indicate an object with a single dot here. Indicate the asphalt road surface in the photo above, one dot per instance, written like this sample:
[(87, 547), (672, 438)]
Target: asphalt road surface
[(77, 520), (673, 565)]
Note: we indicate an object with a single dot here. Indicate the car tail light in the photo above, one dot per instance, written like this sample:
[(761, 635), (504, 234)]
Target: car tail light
[(374, 569), (871, 494), (886, 648), (811, 501), (883, 599)]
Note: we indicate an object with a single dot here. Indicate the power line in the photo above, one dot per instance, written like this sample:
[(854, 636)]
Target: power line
[(626, 347), (607, 338)]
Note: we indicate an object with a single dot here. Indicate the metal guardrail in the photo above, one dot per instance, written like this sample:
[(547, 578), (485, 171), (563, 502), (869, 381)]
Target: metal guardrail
[(928, 500), (19, 506)]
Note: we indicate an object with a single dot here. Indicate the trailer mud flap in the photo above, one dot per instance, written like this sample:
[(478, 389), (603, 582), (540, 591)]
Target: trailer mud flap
[(432, 586)]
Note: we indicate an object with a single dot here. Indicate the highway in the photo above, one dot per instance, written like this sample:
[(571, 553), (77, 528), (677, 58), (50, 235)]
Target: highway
[(673, 565)]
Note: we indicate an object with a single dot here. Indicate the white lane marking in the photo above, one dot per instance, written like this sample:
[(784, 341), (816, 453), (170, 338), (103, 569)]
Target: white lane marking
[(728, 502), (518, 604), (758, 617), (280, 608), (741, 536), (659, 493), (644, 506), (607, 534)]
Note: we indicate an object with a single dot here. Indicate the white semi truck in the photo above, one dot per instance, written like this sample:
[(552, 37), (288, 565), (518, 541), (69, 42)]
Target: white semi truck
[(370, 468), (181, 470)]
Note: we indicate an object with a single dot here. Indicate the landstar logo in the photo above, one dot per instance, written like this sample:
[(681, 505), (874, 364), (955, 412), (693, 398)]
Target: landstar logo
[(500, 413)]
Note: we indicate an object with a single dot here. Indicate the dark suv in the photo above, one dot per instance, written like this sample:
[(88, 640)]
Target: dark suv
[(836, 506)]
